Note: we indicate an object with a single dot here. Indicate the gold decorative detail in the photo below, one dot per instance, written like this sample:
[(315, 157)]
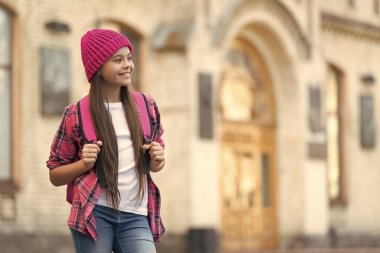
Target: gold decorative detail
[(246, 91)]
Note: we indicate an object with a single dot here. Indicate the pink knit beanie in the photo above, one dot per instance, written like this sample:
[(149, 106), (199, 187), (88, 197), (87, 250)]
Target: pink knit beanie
[(97, 46)]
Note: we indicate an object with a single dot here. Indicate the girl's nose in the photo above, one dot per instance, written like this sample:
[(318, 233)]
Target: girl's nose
[(127, 63)]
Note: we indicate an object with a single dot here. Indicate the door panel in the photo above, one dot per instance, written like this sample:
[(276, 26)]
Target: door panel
[(248, 181)]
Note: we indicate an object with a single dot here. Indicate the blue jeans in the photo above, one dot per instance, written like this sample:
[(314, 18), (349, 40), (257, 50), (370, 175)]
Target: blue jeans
[(122, 233)]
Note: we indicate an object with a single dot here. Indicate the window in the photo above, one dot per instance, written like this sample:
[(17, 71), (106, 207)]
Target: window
[(135, 39), (206, 9), (5, 96), (351, 3), (333, 105)]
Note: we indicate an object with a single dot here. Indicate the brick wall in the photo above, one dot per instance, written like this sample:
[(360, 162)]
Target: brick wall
[(171, 77)]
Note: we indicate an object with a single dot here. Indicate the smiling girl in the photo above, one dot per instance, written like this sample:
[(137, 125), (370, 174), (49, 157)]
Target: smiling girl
[(121, 214)]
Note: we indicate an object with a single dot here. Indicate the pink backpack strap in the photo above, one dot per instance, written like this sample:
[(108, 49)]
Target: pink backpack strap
[(146, 118), (147, 121), (87, 129), (85, 120)]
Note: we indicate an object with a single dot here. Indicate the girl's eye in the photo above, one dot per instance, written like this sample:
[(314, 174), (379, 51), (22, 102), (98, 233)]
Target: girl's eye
[(117, 60), (130, 58)]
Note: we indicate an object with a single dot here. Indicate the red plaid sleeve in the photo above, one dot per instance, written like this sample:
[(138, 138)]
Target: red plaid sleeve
[(158, 129), (154, 198), (64, 148), (154, 208)]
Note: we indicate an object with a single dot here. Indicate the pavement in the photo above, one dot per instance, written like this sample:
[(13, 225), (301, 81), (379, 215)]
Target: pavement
[(32, 243), (338, 250)]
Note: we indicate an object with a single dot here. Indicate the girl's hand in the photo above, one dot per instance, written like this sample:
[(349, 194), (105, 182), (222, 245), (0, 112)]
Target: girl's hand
[(157, 158), (90, 154)]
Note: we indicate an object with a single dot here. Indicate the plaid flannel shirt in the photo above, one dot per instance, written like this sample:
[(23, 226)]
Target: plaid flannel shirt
[(67, 148)]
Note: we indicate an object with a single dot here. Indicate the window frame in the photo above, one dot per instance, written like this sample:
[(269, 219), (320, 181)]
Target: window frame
[(11, 185), (376, 7), (351, 4)]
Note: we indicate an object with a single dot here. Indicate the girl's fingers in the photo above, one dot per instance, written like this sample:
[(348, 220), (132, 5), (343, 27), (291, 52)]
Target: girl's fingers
[(157, 153), (92, 147), (90, 155), (89, 160), (159, 158), (155, 144), (90, 151), (156, 148), (151, 146)]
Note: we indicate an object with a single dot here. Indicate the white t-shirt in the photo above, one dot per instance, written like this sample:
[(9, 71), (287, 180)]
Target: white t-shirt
[(128, 181)]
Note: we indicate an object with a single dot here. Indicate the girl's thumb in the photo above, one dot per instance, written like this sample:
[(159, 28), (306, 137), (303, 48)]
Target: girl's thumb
[(99, 143)]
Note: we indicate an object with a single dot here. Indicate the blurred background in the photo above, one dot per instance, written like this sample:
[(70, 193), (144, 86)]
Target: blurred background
[(268, 106)]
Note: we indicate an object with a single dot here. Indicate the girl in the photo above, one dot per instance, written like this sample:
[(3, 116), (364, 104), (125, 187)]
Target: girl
[(122, 214)]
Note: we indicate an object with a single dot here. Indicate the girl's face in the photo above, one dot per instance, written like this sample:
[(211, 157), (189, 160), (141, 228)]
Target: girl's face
[(117, 70)]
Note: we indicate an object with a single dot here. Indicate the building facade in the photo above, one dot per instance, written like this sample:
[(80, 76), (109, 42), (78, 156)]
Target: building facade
[(269, 110)]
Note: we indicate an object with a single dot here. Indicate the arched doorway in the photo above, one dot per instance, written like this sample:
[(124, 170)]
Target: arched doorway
[(248, 162)]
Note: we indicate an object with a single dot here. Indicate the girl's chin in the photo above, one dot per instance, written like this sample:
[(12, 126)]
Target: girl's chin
[(124, 83)]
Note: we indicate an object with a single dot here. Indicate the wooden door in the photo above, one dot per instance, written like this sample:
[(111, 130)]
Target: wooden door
[(248, 187)]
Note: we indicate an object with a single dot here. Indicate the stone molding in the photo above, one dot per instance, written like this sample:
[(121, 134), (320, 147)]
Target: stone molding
[(172, 36), (346, 26), (236, 9)]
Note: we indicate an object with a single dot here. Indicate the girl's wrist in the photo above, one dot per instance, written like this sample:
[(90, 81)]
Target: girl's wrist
[(82, 165), (159, 167)]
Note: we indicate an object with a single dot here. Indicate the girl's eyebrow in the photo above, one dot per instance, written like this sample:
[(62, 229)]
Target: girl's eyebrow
[(120, 55)]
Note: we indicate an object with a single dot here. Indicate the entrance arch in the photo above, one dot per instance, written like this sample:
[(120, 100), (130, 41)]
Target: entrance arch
[(248, 150), (263, 33), (248, 157)]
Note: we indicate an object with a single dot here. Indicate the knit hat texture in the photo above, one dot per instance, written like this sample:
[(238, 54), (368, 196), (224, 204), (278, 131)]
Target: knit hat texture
[(97, 46)]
